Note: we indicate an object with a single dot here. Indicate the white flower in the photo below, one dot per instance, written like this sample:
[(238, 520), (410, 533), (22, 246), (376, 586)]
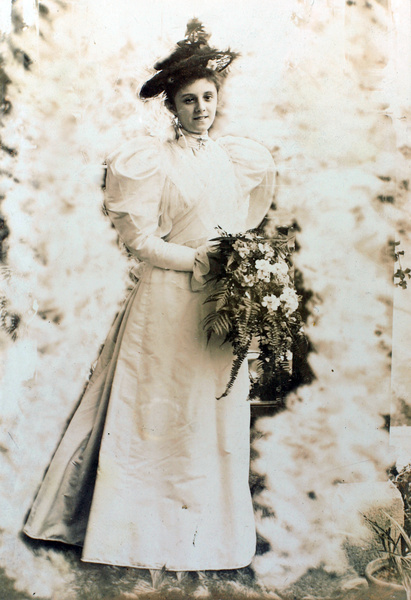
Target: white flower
[(263, 269), (280, 272), (248, 280), (266, 250), (242, 249), (262, 264), (280, 268), (271, 302), (290, 299)]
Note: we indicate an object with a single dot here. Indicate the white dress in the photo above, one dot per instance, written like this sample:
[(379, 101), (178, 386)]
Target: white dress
[(153, 470)]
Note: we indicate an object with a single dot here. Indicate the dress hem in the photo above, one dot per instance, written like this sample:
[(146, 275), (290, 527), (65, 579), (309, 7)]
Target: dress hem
[(138, 565), (169, 568), (50, 539)]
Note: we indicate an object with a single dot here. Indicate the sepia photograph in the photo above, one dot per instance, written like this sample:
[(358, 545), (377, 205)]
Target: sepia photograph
[(205, 306)]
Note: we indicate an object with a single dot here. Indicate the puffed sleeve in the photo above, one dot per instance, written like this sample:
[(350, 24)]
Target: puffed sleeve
[(255, 170), (134, 186)]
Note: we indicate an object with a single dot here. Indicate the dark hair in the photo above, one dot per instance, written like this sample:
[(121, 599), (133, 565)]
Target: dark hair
[(185, 77), (192, 59)]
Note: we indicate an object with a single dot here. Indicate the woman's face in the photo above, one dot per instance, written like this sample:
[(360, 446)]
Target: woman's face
[(195, 105)]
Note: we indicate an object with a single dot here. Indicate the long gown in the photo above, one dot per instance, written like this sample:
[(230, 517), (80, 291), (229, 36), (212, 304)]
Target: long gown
[(153, 470)]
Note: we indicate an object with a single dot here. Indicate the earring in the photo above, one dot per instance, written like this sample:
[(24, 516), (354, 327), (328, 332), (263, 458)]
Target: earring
[(177, 126)]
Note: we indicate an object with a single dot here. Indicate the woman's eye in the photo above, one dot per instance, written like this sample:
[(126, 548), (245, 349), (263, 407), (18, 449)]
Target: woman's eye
[(189, 100)]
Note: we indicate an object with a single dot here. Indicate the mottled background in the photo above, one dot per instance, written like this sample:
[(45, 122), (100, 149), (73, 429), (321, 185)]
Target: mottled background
[(325, 86)]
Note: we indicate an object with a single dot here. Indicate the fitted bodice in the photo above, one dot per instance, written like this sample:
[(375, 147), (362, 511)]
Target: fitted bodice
[(200, 192), (162, 196)]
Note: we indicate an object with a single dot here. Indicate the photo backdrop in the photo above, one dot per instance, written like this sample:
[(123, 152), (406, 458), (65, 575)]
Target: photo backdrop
[(325, 87)]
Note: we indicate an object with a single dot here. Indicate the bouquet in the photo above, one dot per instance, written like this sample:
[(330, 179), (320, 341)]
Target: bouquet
[(254, 297)]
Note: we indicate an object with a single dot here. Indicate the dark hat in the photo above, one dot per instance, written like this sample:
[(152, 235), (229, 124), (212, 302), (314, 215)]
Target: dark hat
[(192, 52)]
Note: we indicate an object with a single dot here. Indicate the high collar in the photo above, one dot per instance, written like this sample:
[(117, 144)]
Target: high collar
[(192, 140)]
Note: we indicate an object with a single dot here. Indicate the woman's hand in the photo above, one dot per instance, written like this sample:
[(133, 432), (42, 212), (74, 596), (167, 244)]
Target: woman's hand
[(206, 265)]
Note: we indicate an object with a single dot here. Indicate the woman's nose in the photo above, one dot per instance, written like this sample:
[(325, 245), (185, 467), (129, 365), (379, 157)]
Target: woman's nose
[(200, 106)]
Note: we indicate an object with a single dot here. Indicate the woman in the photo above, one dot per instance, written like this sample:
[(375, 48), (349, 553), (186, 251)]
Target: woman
[(153, 470)]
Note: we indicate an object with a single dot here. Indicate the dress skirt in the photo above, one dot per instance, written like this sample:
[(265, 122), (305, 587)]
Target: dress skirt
[(153, 470)]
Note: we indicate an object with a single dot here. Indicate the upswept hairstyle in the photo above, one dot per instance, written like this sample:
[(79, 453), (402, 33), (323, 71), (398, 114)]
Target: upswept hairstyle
[(192, 59)]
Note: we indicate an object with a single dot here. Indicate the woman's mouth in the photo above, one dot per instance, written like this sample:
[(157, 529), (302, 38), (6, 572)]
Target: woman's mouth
[(200, 118)]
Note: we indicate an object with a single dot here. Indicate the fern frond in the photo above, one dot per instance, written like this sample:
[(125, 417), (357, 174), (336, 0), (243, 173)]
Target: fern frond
[(238, 361), (223, 299), (218, 323)]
